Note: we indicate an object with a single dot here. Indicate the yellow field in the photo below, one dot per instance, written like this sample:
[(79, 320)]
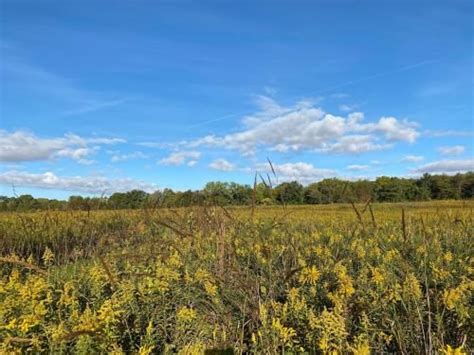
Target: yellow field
[(301, 279)]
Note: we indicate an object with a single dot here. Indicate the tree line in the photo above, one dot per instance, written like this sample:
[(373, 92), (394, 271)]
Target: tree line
[(383, 189)]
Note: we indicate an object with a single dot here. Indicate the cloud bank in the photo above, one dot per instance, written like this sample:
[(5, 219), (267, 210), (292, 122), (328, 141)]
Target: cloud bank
[(302, 172), (306, 127), (21, 146), (447, 167), (95, 185)]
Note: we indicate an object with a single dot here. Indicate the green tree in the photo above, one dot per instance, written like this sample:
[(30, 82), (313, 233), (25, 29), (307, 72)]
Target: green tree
[(218, 192), (334, 190), (388, 189), (312, 194), (289, 193), (467, 188), (26, 203)]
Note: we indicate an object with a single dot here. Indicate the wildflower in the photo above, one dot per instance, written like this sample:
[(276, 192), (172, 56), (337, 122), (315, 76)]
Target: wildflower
[(193, 349), (411, 287), (186, 315), (263, 312), (210, 288), (293, 294), (448, 350), (284, 333), (346, 288), (377, 277), (48, 257), (109, 313), (448, 257), (362, 348), (202, 275), (309, 275), (451, 297), (145, 349), (331, 325)]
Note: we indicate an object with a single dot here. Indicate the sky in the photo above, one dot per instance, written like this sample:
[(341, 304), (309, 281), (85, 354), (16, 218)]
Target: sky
[(105, 96)]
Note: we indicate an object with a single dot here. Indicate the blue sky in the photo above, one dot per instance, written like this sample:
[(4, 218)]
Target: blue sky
[(113, 95)]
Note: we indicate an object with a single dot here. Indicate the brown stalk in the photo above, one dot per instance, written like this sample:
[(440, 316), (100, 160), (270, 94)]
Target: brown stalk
[(107, 271), (174, 229), (367, 204), (19, 340), (254, 196), (359, 216), (372, 216), (404, 226), (78, 333)]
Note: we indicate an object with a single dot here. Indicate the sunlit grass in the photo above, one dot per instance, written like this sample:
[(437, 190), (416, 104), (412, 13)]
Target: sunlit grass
[(315, 279)]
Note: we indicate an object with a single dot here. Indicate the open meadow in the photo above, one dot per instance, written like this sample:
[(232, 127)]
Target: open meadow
[(237, 177), (373, 278)]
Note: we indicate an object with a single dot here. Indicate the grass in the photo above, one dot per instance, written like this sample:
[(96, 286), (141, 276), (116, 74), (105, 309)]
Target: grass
[(301, 279)]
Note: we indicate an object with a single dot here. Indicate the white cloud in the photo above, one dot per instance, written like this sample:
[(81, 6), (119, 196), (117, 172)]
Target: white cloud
[(305, 173), (222, 165), (347, 108), (305, 127), (356, 167), (451, 150), (24, 146), (182, 157), (448, 133), (90, 184), (124, 157), (353, 144), (394, 130), (413, 158), (446, 167)]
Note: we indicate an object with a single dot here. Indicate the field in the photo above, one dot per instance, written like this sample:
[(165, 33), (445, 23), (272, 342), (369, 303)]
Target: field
[(379, 278)]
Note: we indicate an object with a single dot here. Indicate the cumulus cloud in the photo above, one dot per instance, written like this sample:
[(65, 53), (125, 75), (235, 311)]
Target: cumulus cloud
[(222, 165), (447, 167), (49, 180), (304, 173), (306, 127), (451, 150), (20, 146), (412, 158), (353, 144), (394, 129), (356, 167), (181, 157)]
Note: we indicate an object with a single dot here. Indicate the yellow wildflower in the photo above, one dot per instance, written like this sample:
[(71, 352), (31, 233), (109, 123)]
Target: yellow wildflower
[(448, 350), (309, 275), (186, 315)]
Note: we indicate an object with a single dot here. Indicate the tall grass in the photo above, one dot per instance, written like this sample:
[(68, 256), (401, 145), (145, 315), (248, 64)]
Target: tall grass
[(345, 279)]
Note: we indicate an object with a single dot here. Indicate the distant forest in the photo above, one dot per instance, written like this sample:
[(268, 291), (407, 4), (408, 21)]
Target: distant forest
[(263, 192)]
